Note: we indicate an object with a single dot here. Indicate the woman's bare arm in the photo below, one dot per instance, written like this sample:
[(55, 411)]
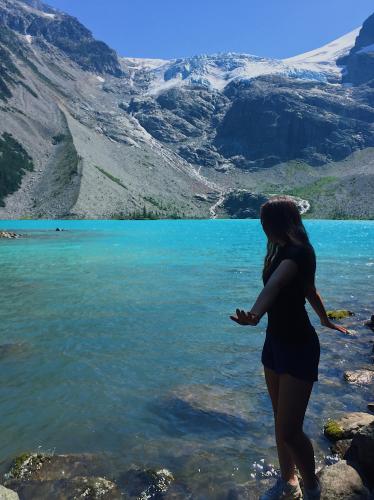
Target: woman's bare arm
[(315, 300), (286, 270)]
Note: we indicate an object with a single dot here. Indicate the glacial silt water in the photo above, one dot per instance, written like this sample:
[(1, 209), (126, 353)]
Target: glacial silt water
[(115, 337)]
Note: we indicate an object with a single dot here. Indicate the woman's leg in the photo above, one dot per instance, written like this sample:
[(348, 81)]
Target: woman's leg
[(286, 461), (293, 397)]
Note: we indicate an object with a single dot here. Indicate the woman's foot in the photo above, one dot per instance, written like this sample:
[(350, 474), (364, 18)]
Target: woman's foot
[(283, 490)]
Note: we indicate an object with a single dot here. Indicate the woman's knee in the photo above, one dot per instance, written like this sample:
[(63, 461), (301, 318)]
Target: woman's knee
[(288, 435)]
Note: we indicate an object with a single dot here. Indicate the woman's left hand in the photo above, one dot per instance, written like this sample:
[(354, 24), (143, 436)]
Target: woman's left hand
[(244, 318)]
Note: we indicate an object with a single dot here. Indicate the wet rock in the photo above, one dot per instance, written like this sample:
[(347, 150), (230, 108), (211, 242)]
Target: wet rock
[(339, 314), (10, 349), (45, 467), (342, 482), (363, 377), (347, 426), (341, 447), (247, 491), (145, 483), (370, 323), (7, 234), (362, 450), (64, 477), (371, 407), (6, 494), (202, 406), (92, 488)]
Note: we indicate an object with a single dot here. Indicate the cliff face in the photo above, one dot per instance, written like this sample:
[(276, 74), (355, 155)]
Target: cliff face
[(111, 137), (359, 63)]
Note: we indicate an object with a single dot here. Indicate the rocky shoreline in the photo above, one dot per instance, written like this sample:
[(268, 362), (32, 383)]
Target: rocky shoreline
[(346, 475), (9, 235)]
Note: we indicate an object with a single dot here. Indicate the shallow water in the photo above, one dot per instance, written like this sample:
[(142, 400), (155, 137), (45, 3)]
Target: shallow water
[(124, 342)]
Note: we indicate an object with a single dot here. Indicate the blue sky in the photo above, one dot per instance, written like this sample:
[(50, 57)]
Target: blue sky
[(181, 28)]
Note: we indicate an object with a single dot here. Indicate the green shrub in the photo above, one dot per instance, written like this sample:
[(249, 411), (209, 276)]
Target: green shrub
[(14, 161)]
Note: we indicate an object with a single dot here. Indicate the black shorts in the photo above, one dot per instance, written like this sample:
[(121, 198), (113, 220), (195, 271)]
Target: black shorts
[(297, 359)]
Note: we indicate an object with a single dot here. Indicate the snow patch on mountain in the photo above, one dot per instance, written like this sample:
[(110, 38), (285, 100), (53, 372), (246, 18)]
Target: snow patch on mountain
[(139, 63), (324, 59), (37, 11), (218, 70)]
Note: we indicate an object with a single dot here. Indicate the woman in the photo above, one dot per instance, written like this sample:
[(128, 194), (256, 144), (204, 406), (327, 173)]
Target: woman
[(291, 349)]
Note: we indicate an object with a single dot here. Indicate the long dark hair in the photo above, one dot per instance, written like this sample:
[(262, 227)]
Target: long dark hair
[(281, 219)]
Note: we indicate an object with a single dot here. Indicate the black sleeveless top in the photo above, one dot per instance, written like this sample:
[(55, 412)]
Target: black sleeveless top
[(287, 317)]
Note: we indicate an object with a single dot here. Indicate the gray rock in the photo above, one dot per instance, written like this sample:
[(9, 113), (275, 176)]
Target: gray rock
[(347, 425), (146, 483), (93, 488), (362, 450), (340, 481), (341, 447), (45, 467), (360, 377), (61, 476), (6, 494)]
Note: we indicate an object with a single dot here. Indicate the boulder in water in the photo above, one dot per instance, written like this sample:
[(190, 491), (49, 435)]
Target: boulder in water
[(67, 489), (6, 494), (360, 377), (362, 450), (203, 406), (340, 481), (38, 475), (346, 426), (145, 483)]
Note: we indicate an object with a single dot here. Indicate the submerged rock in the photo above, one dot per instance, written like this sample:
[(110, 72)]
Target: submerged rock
[(346, 426), (10, 349), (371, 407), (6, 494), (340, 481), (92, 488), (46, 467), (60, 476), (339, 314), (203, 406), (364, 377), (145, 483)]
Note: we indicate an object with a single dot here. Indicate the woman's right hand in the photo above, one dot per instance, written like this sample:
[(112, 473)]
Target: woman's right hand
[(329, 324), (244, 318)]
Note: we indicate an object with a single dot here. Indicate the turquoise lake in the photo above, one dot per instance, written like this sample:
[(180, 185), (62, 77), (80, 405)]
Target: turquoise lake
[(115, 337)]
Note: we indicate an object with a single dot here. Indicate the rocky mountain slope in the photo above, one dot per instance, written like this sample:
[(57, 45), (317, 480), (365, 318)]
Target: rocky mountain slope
[(90, 134)]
